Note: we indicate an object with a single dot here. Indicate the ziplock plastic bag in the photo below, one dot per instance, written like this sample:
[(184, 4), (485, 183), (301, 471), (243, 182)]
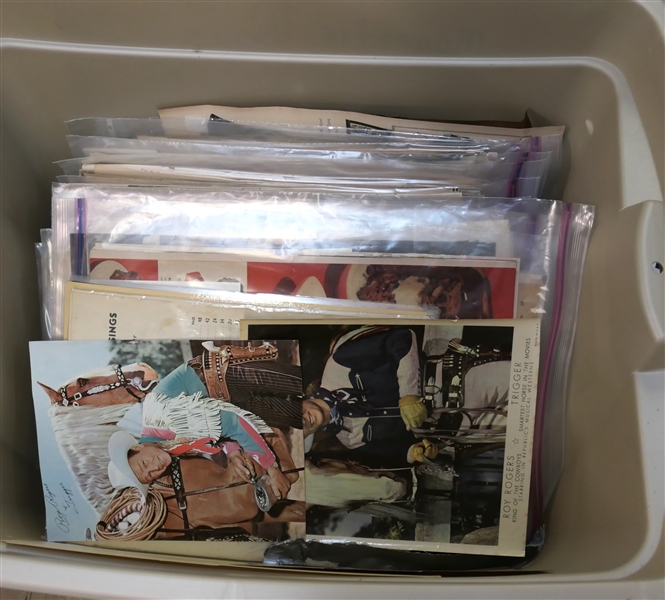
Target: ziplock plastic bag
[(572, 243), (409, 146), (286, 220), (301, 184), (549, 238), (188, 121), (512, 162), (201, 129), (81, 146), (394, 132), (293, 221), (291, 173), (224, 137), (473, 179), (313, 162), (44, 255)]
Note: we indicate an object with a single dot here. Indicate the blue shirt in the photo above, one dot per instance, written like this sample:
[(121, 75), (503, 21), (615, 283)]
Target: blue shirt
[(184, 380)]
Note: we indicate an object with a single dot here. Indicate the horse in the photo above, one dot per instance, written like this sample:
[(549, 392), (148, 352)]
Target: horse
[(85, 412), (113, 384), (229, 503), (200, 499)]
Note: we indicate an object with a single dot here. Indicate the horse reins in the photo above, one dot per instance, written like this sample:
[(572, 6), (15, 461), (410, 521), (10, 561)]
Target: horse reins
[(180, 495), (135, 383)]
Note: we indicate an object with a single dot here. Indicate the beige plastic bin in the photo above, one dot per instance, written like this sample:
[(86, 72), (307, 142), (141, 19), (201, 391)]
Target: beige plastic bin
[(596, 67)]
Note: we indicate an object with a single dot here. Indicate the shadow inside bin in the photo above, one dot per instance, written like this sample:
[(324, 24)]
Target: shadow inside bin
[(556, 183), (354, 557)]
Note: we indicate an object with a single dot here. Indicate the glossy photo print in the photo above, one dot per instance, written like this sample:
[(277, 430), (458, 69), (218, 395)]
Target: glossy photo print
[(167, 439), (419, 436)]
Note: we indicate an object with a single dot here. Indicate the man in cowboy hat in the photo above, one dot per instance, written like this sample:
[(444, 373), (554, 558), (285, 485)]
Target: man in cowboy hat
[(192, 425), (137, 465), (198, 488), (120, 471)]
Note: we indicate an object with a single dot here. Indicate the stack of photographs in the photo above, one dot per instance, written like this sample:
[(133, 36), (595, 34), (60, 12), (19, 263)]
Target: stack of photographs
[(290, 328)]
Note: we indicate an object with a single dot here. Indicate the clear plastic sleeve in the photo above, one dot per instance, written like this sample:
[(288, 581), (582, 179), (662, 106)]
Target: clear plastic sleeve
[(470, 170), (547, 236), (293, 175), (44, 252), (512, 157), (164, 312)]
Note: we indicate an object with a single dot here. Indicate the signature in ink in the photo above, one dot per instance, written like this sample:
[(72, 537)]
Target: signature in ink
[(69, 499), (61, 518)]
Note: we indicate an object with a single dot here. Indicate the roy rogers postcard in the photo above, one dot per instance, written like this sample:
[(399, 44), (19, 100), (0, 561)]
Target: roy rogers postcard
[(417, 436), (177, 440)]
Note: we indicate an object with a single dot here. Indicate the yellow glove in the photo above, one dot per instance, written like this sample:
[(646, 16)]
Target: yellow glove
[(423, 449), (413, 411)]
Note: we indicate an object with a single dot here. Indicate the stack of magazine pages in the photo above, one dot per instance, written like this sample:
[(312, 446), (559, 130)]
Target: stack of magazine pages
[(319, 339)]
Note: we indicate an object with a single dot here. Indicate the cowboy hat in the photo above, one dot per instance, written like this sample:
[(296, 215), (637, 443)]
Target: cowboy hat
[(120, 473)]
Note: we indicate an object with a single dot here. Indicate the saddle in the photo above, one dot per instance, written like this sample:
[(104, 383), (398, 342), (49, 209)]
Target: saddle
[(211, 367)]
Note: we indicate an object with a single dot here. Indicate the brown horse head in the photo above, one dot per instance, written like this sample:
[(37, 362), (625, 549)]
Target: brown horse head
[(110, 385)]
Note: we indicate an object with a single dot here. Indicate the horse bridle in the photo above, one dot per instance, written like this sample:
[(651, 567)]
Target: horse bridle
[(135, 382), (180, 495)]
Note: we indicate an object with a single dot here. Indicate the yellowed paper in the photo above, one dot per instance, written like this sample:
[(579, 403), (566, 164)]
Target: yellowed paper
[(192, 119), (495, 392), (94, 312)]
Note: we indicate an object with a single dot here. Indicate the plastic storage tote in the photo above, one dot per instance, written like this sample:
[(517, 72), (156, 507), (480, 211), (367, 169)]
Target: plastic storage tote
[(596, 67)]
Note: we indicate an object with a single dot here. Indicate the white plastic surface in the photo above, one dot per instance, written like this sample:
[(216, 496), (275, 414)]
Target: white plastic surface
[(99, 581)]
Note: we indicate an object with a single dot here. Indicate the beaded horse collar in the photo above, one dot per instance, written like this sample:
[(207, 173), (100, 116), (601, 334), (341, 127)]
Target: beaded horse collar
[(136, 383)]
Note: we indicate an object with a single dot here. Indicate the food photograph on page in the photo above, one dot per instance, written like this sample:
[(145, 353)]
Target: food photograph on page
[(418, 437), (123, 269), (177, 440), (459, 292), (461, 288)]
